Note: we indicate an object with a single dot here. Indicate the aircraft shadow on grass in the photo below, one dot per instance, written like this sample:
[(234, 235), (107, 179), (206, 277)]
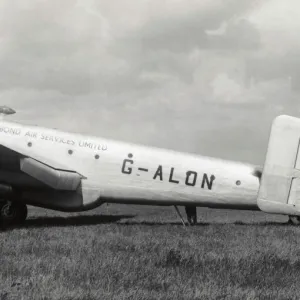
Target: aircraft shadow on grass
[(201, 224), (85, 220), (47, 221)]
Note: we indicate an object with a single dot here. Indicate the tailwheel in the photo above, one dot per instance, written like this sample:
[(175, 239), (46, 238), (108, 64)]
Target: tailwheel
[(12, 213), (295, 220)]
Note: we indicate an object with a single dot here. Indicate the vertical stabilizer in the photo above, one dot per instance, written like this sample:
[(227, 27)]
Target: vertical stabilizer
[(279, 190)]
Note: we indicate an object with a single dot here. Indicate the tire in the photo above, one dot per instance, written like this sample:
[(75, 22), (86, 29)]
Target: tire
[(295, 220), (12, 213)]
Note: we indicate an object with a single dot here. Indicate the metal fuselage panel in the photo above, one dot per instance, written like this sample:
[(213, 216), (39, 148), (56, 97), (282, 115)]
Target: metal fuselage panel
[(127, 173)]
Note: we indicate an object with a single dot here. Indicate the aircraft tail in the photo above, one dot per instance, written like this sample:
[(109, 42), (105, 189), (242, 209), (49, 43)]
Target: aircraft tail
[(279, 190)]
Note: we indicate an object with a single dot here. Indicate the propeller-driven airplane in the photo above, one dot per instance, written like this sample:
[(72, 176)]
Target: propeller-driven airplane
[(71, 172)]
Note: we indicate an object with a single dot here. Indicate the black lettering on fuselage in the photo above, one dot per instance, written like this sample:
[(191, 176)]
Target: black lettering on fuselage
[(125, 168), (12, 131), (31, 134), (191, 178), (207, 181), (57, 139), (85, 144), (92, 145), (171, 177), (158, 173)]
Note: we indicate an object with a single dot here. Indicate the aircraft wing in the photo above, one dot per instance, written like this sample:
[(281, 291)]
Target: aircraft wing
[(46, 170)]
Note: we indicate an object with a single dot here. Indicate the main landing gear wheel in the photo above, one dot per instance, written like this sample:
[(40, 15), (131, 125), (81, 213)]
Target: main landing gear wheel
[(12, 213)]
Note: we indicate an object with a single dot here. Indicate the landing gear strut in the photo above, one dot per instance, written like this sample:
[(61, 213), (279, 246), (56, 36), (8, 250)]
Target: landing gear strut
[(191, 213), (295, 220), (12, 213), (180, 216)]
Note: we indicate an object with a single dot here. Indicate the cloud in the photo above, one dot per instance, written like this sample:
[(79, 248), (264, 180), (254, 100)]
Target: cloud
[(278, 24), (75, 48), (191, 75), (183, 32)]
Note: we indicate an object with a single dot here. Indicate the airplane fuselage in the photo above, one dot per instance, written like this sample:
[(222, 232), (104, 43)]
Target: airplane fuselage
[(120, 172)]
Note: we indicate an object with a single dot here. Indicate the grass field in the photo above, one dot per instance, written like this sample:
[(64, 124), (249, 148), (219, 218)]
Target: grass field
[(136, 252)]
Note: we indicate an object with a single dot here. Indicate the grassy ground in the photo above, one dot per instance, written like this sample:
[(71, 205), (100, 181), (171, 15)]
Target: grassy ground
[(133, 252)]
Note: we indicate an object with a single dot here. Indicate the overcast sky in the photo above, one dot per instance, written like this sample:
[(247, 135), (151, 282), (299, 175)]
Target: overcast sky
[(205, 76)]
